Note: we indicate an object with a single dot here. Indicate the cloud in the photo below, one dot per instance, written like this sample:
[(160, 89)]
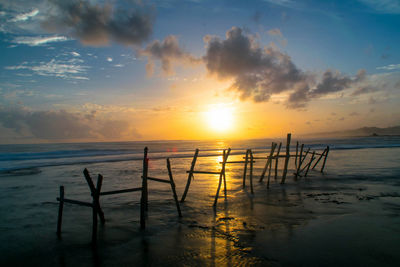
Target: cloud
[(258, 73), (278, 35), (332, 81), (364, 90), (25, 16), (63, 125), (169, 53), (383, 6), (38, 40), (285, 3), (275, 32), (389, 67), (95, 24), (66, 69)]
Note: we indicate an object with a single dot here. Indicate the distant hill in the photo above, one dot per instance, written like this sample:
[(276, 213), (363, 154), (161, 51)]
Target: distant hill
[(365, 131)]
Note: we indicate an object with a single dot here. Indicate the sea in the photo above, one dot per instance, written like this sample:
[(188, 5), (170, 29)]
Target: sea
[(358, 170)]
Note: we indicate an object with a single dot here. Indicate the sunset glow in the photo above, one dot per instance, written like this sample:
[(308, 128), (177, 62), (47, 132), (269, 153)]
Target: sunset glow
[(220, 118), (161, 71)]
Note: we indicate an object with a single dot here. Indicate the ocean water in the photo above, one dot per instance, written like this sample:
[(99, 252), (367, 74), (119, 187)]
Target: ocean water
[(361, 175)]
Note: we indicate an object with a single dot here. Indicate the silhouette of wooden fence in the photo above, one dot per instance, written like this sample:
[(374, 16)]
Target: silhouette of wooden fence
[(96, 193), (221, 174)]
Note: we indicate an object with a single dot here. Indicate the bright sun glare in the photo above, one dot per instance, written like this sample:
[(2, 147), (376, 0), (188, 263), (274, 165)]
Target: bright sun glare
[(219, 118)]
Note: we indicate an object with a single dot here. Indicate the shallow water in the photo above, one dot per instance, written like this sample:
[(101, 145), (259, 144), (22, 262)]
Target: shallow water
[(348, 215)]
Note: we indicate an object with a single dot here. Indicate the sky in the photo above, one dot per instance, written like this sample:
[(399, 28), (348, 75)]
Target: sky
[(126, 70)]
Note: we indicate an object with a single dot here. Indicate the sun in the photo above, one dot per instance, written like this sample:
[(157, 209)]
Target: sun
[(220, 117)]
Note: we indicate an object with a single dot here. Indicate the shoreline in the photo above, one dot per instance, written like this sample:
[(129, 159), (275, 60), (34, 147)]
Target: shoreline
[(347, 216)]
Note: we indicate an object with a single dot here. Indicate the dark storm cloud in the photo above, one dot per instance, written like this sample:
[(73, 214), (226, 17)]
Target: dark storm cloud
[(95, 24), (168, 52), (61, 125), (259, 73)]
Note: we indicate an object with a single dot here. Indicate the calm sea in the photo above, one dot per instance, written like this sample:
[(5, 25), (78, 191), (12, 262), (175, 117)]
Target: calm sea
[(24, 159), (357, 169)]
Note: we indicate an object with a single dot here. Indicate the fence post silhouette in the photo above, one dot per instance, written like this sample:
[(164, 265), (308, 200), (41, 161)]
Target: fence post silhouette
[(287, 158), (190, 175)]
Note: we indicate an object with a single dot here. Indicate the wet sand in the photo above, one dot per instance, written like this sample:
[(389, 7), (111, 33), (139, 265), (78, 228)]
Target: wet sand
[(322, 220)]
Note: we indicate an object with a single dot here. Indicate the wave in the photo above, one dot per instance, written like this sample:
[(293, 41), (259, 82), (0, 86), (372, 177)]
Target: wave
[(29, 161)]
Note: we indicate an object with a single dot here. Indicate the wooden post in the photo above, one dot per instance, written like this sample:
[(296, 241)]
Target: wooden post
[(309, 164), (93, 192), (277, 159), (270, 159), (245, 168), (251, 171), (287, 158), (94, 226), (60, 211), (98, 190), (220, 176), (196, 153), (320, 157), (223, 156), (300, 161), (143, 199), (305, 155), (297, 151), (173, 187), (326, 155)]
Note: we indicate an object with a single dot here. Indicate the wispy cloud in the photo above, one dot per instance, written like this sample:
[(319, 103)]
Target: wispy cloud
[(389, 67), (383, 6), (275, 32), (285, 3), (25, 16), (66, 69), (38, 40)]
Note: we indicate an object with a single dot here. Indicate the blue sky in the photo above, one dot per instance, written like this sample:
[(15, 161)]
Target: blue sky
[(119, 64)]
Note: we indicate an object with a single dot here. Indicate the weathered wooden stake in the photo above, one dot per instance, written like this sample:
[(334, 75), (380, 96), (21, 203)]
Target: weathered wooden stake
[(251, 171), (326, 156), (300, 161), (245, 168), (287, 158), (277, 160), (320, 157), (221, 175), (173, 187), (309, 164), (94, 193), (60, 211), (223, 156), (297, 151), (94, 225), (143, 199), (270, 159), (196, 153)]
